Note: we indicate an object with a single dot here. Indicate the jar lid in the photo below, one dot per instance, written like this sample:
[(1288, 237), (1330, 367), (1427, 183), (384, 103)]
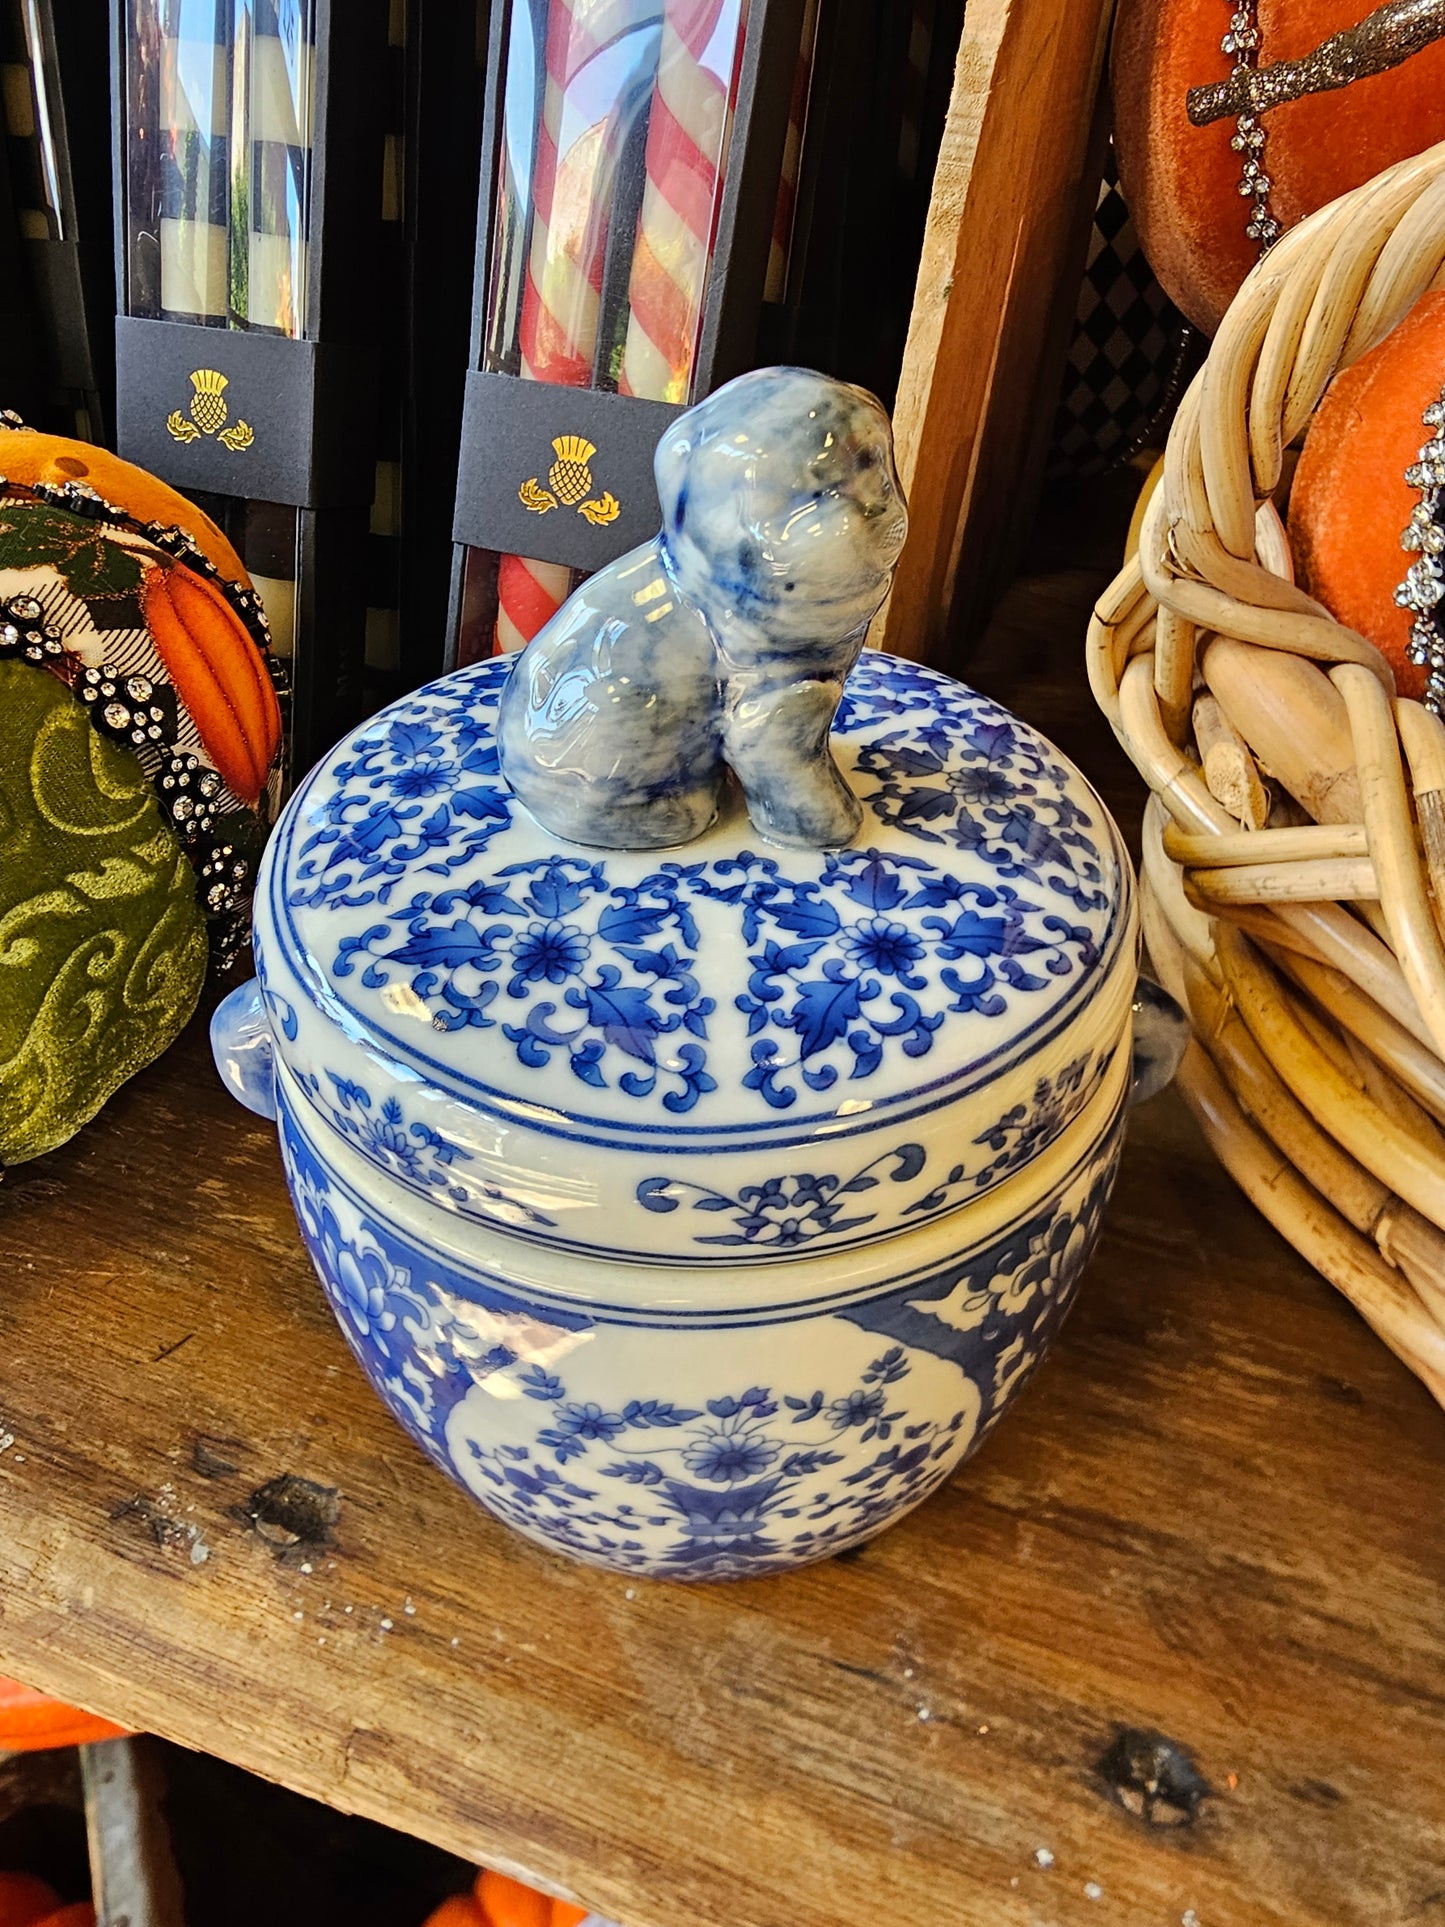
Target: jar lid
[(724, 1052)]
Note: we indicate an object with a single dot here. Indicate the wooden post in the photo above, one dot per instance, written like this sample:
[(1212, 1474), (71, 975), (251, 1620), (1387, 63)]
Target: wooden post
[(1003, 224)]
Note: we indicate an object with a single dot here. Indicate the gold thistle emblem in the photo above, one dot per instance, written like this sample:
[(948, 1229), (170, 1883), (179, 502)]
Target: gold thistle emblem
[(571, 479), (209, 414)]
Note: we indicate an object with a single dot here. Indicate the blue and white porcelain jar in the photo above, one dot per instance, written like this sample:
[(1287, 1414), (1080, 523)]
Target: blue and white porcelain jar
[(698, 1208)]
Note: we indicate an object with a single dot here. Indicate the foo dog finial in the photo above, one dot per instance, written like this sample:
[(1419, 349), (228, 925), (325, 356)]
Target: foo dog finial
[(725, 642)]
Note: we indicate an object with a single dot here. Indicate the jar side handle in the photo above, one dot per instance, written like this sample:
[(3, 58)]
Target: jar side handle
[(242, 1048), (1161, 1032)]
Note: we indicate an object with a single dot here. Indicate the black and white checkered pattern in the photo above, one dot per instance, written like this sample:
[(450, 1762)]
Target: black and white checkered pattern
[(1130, 356)]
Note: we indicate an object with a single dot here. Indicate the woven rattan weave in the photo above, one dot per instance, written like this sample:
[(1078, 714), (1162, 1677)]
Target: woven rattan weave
[(1294, 845)]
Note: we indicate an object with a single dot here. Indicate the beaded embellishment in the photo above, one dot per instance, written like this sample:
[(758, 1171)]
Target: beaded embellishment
[(1241, 43), (1424, 536), (25, 633), (141, 714)]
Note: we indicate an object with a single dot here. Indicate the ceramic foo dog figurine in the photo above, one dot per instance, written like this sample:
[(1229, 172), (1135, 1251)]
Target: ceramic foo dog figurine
[(724, 642)]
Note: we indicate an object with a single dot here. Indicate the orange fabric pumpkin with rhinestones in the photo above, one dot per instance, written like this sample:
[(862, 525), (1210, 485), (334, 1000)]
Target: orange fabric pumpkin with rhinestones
[(218, 672), (139, 740), (1350, 502), (1182, 182)]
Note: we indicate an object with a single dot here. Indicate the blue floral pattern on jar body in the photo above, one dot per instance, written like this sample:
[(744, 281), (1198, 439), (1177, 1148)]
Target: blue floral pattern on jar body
[(700, 1192), (700, 1442), (557, 1028)]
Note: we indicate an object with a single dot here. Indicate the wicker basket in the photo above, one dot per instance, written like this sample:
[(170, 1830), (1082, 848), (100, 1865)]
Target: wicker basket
[(1294, 844)]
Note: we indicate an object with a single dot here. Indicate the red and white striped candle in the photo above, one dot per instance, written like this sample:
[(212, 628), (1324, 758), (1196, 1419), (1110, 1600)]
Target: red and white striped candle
[(577, 144), (695, 78), (692, 96)]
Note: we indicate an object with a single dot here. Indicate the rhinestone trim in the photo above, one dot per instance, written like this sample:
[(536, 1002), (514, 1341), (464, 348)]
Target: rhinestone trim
[(1391, 34), (1424, 537), (1241, 43)]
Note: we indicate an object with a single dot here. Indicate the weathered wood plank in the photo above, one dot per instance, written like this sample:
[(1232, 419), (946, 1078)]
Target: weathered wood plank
[(1213, 1517), (1002, 249)]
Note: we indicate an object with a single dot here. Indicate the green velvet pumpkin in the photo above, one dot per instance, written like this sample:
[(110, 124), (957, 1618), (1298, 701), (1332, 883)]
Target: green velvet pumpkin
[(103, 946)]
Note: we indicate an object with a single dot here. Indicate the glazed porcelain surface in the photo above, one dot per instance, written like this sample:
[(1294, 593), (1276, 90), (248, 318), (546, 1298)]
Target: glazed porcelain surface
[(725, 642), (700, 1123), (646, 1420), (732, 1047)]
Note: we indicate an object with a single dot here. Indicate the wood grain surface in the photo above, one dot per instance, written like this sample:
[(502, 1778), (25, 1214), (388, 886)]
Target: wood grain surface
[(1169, 1651), (1003, 254)]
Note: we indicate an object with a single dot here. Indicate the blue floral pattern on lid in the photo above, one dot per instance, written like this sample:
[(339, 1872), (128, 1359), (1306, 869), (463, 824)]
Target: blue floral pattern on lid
[(983, 886), (706, 1016), (646, 1011)]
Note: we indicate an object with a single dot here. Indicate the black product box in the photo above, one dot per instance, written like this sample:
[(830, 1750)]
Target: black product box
[(224, 412), (248, 171), (512, 425)]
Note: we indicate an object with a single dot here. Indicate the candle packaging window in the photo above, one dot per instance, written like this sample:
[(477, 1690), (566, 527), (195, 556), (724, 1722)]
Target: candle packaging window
[(249, 200), (631, 158)]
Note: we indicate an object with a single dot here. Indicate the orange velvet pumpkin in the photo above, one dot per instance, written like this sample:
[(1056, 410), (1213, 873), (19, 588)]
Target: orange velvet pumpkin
[(498, 1901), (508, 1903), (1350, 502), (219, 674), (30, 1722), (503, 1902), (1182, 181), (28, 456)]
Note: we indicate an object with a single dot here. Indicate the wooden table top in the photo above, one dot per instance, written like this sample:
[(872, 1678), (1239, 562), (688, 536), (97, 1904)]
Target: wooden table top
[(1168, 1652)]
